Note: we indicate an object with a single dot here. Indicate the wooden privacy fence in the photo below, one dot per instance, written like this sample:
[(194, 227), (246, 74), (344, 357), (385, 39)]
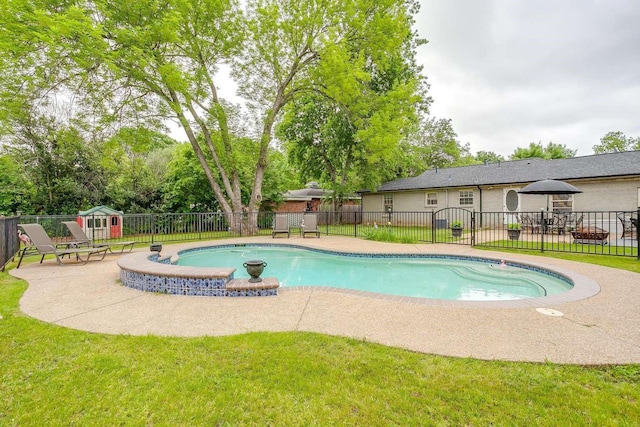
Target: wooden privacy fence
[(9, 241)]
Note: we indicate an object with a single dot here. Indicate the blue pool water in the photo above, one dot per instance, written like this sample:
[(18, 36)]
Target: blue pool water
[(450, 278)]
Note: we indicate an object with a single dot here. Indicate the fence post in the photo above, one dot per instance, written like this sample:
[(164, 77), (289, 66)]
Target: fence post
[(4, 242), (153, 227), (355, 224), (433, 228), (473, 228), (543, 229)]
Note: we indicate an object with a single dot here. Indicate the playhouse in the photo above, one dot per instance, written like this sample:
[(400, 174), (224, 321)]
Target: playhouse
[(101, 223)]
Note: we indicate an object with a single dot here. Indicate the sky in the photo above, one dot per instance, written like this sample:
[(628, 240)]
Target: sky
[(511, 72)]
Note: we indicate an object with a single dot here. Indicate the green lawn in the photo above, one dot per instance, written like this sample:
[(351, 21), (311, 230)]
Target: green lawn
[(53, 376), (624, 263)]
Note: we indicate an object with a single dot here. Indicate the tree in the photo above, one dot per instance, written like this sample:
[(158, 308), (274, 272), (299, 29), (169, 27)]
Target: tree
[(551, 151), (489, 157), (147, 61), (616, 142), (61, 167), (185, 185), (135, 161), (433, 144), (16, 191), (320, 140)]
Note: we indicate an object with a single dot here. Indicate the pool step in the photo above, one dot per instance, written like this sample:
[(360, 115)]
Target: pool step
[(244, 288)]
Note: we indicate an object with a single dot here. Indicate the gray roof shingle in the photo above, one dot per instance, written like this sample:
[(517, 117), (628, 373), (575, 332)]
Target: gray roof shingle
[(523, 171)]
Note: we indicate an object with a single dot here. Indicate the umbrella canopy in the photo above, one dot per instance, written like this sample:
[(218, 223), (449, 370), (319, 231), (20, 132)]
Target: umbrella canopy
[(549, 186)]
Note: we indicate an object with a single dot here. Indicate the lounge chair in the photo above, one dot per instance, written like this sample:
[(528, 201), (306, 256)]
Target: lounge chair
[(82, 240), (281, 225), (309, 225), (42, 244)]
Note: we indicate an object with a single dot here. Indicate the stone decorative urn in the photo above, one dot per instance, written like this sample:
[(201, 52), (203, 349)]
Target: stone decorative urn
[(255, 269)]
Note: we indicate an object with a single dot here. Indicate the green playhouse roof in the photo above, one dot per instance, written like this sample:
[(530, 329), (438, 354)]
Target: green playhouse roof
[(104, 210)]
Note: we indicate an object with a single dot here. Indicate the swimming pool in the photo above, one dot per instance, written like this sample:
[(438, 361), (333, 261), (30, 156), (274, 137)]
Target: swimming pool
[(419, 275)]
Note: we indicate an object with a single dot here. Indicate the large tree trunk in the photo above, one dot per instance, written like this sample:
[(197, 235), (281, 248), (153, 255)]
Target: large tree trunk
[(261, 166)]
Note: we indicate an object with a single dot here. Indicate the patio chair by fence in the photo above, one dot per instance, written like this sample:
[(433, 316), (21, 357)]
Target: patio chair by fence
[(573, 222), (526, 223), (81, 239), (560, 223), (281, 226), (310, 225), (536, 224), (629, 228), (43, 245)]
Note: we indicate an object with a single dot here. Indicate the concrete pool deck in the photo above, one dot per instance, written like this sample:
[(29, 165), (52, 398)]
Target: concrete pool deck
[(601, 329)]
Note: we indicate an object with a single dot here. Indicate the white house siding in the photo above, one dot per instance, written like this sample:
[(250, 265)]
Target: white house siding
[(492, 199), (372, 202), (600, 195), (613, 195), (416, 201), (411, 202)]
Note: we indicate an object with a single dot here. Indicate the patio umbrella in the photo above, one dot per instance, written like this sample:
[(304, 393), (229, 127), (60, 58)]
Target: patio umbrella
[(549, 186)]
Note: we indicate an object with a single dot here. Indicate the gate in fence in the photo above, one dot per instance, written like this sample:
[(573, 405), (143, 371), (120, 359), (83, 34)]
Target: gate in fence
[(454, 225)]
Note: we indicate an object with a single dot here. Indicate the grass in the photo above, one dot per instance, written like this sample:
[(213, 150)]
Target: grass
[(555, 246), (404, 234), (620, 262), (51, 375)]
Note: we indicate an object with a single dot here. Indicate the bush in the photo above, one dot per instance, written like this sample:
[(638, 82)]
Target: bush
[(385, 234)]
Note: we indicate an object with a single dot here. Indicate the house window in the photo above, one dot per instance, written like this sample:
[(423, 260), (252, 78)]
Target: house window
[(466, 197), (432, 199), (562, 202), (388, 202)]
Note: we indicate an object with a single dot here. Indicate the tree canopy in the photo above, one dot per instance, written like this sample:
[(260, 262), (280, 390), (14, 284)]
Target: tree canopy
[(616, 142), (145, 62), (550, 151)]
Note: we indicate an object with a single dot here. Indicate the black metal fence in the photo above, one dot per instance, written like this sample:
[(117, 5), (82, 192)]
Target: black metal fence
[(9, 241), (606, 233)]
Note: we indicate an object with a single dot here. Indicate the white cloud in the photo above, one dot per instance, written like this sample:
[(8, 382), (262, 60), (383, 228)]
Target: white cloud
[(510, 73)]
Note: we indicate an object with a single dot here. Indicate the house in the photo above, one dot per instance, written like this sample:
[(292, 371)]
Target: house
[(100, 222), (303, 200), (309, 199), (610, 182)]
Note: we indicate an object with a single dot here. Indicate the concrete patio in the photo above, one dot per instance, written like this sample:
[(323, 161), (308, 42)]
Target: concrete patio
[(601, 329)]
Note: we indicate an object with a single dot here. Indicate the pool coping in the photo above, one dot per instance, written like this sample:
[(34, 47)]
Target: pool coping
[(583, 286)]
